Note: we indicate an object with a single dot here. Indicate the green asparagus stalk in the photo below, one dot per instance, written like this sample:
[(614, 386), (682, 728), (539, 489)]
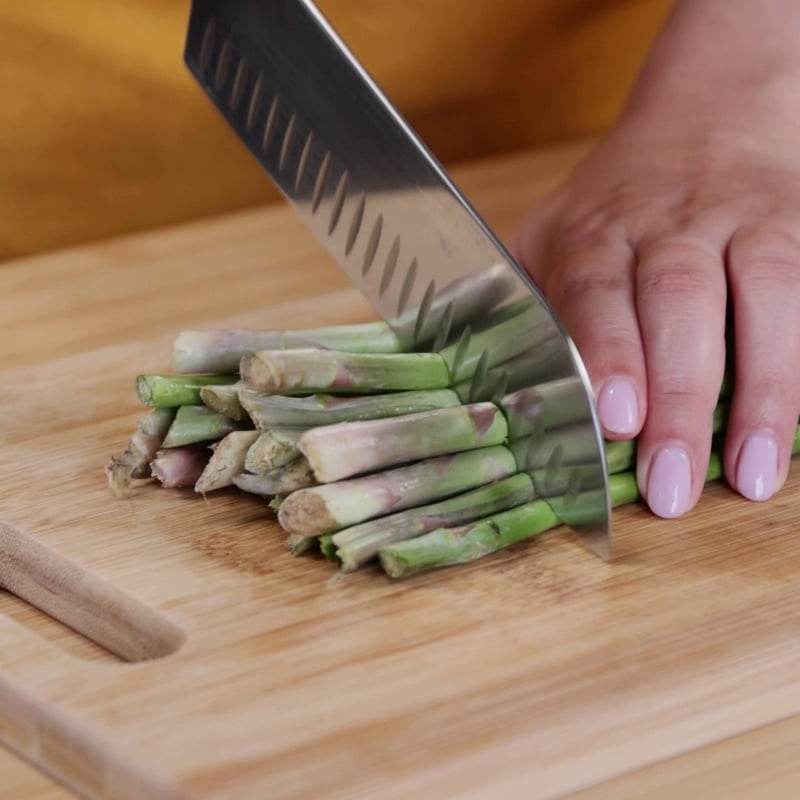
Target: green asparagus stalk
[(224, 399), (180, 467), (284, 480), (357, 545), (134, 463), (271, 411), (459, 303), (220, 351), (492, 346), (329, 507), (172, 391), (194, 424), (460, 545), (272, 449), (226, 462), (307, 371), (351, 448)]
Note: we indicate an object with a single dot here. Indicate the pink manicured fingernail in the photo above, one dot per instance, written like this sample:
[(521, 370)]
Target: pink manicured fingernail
[(670, 482), (617, 406), (757, 472)]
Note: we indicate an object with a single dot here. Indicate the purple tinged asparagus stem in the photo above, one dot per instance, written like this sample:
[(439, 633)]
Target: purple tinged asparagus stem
[(352, 448), (358, 544), (180, 467), (329, 507)]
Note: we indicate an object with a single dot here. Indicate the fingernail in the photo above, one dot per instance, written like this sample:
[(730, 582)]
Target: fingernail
[(670, 482), (757, 472), (617, 406)]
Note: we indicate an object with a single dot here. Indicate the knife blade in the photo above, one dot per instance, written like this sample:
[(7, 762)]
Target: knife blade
[(387, 211)]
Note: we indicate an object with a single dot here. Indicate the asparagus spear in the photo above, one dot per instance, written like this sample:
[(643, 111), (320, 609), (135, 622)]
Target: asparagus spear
[(357, 545), (460, 545), (180, 467), (226, 462), (172, 391), (284, 480), (329, 507), (220, 351), (269, 411), (198, 424), (134, 462), (350, 448), (307, 371), (272, 449), (224, 399)]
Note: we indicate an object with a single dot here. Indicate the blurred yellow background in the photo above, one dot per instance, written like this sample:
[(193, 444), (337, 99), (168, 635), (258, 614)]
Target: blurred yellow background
[(102, 131)]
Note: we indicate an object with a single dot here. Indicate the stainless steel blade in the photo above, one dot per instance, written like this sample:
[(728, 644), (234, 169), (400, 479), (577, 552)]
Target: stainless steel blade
[(387, 211)]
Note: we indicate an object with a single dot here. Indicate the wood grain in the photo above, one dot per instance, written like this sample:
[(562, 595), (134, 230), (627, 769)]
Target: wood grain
[(536, 673)]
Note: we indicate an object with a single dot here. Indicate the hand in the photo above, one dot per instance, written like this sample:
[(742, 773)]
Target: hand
[(691, 203)]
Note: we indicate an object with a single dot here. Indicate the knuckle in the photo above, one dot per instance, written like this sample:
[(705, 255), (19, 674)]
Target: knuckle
[(758, 254), (678, 269)]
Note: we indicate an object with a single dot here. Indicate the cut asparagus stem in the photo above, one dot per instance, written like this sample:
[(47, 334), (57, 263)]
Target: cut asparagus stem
[(220, 351), (224, 400), (494, 345), (284, 480), (328, 548), (172, 391), (180, 467), (272, 449), (357, 545), (351, 448), (226, 462), (543, 363), (194, 424), (329, 507), (307, 371), (548, 405), (463, 301), (271, 411), (460, 545), (134, 463)]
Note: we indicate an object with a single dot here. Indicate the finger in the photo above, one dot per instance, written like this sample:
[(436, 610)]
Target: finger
[(764, 278), (591, 288), (681, 295)]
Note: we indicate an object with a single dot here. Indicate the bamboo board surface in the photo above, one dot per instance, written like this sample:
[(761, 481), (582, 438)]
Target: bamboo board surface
[(538, 673)]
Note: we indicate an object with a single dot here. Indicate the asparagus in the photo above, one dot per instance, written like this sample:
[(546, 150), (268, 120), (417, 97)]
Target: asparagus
[(357, 545), (224, 399), (460, 545), (172, 391), (268, 411), (307, 370), (134, 462), (194, 424), (226, 462), (332, 506), (272, 449), (350, 448), (284, 480), (180, 467), (220, 351)]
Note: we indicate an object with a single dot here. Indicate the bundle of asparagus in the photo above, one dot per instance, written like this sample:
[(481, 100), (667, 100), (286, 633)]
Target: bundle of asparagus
[(367, 451)]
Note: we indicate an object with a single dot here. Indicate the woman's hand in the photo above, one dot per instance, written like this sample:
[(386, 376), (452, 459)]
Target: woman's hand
[(686, 217)]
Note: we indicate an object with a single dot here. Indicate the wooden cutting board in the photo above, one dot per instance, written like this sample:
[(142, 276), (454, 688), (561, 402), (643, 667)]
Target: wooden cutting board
[(532, 674)]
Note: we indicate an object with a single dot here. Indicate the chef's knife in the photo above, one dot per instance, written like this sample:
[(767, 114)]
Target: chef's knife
[(386, 210)]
